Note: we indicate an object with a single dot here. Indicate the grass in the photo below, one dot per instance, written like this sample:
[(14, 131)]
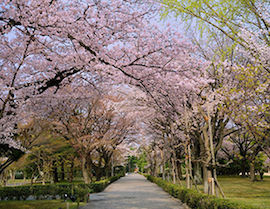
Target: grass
[(18, 180), (38, 204), (244, 191)]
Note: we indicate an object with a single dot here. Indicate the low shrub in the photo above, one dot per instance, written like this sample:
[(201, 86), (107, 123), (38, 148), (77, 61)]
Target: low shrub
[(45, 191), (194, 199), (99, 185), (80, 194), (114, 178)]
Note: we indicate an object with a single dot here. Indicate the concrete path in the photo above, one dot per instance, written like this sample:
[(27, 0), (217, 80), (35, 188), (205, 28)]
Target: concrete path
[(133, 192)]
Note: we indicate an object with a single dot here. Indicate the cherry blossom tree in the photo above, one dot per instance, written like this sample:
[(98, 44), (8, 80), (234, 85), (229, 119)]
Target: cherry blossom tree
[(240, 149), (247, 25), (249, 97), (92, 124), (243, 62), (46, 45)]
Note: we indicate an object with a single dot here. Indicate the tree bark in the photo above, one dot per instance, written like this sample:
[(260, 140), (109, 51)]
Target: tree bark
[(163, 165), (243, 169), (179, 170), (252, 171), (43, 180), (164, 170), (85, 172), (173, 170), (205, 181), (187, 168), (12, 174), (211, 185), (70, 177), (155, 164), (197, 173), (98, 170), (32, 178), (55, 173), (62, 176)]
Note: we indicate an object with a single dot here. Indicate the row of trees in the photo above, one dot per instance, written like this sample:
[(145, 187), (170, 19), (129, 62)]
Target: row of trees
[(204, 97), (49, 47), (86, 134), (219, 110)]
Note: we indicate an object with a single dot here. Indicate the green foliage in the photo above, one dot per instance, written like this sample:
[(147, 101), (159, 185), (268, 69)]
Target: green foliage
[(194, 199), (227, 16), (114, 178), (99, 186), (119, 170), (142, 162), (132, 160), (233, 168), (45, 191), (38, 204)]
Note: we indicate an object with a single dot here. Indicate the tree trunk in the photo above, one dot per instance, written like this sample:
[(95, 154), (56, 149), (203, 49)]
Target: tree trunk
[(252, 163), (42, 175), (43, 180), (163, 170), (98, 173), (70, 177), (187, 173), (24, 176), (252, 171), (85, 172), (32, 178), (89, 169), (62, 176), (112, 171), (211, 185), (179, 169), (197, 173), (205, 181), (52, 177), (155, 165), (98, 170), (173, 170), (55, 173), (243, 169), (12, 174)]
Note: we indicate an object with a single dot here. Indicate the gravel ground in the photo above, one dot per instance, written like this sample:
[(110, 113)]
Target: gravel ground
[(132, 192)]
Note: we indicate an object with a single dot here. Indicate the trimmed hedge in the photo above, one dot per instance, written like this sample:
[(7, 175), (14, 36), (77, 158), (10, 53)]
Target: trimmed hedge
[(194, 199), (98, 186), (46, 191)]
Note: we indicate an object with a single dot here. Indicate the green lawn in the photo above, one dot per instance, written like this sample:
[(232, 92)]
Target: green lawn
[(38, 204), (18, 181), (245, 191)]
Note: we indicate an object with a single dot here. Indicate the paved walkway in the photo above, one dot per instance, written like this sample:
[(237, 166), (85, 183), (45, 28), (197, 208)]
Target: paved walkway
[(133, 192)]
